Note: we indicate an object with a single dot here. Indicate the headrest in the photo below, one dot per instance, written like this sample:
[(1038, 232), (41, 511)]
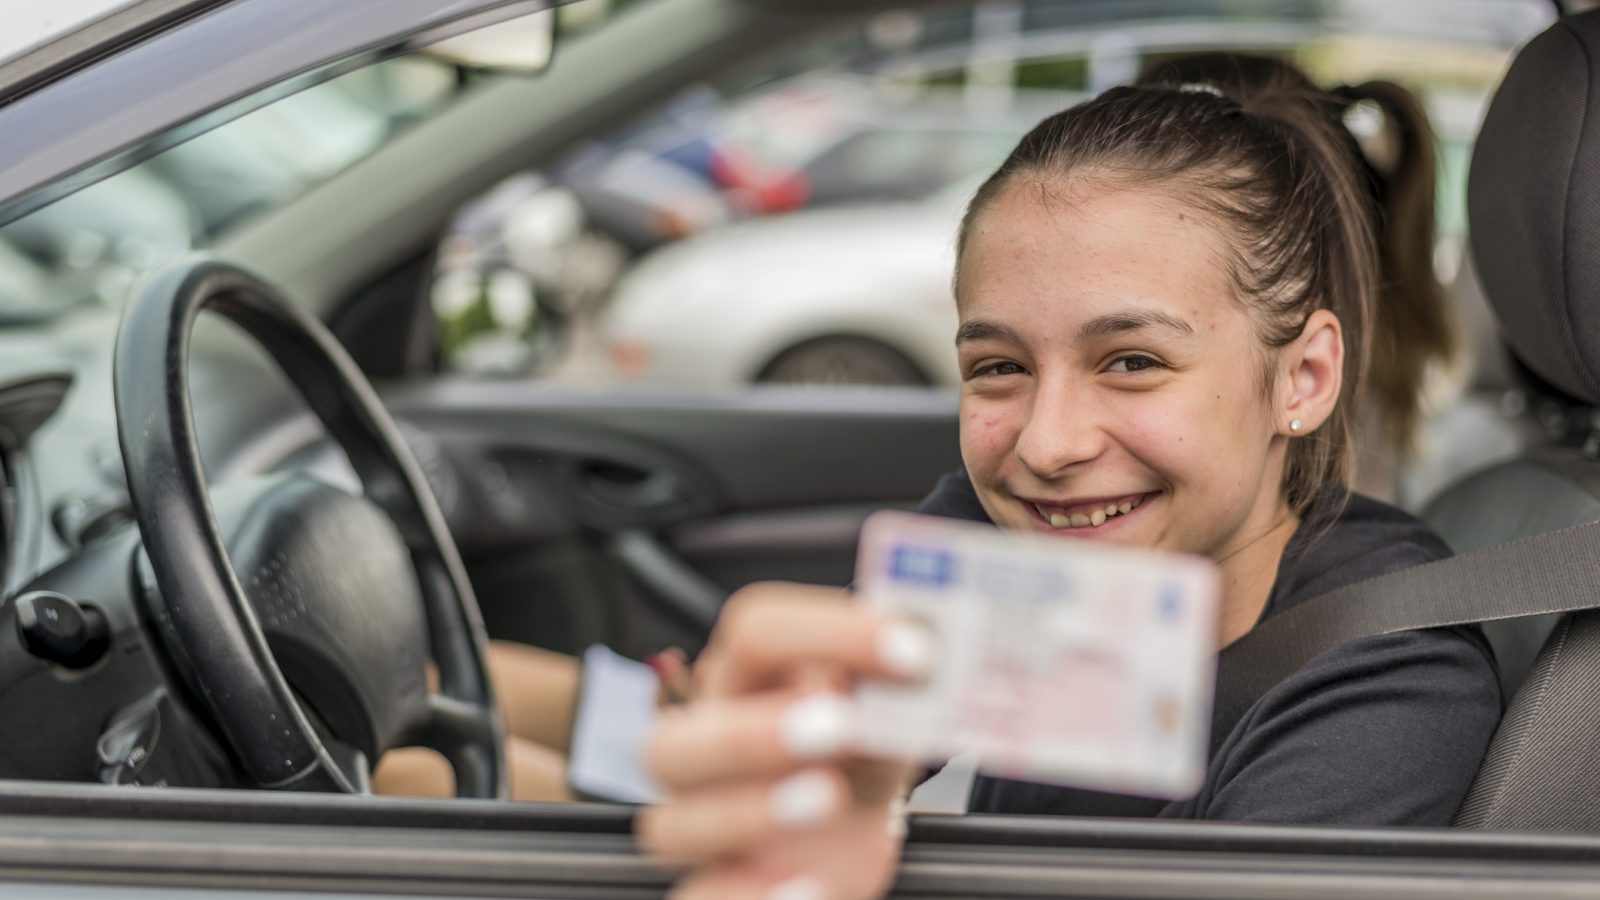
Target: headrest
[(1533, 201)]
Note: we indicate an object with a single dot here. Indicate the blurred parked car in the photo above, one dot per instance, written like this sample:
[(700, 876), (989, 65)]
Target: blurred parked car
[(853, 294), (802, 300), (810, 143)]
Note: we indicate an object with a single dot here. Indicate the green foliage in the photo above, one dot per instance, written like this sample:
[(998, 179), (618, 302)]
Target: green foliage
[(1069, 73), (473, 320)]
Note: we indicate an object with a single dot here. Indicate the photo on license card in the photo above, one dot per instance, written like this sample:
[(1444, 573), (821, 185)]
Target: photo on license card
[(1063, 661)]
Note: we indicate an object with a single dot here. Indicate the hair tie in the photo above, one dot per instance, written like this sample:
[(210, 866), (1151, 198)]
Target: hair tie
[(1347, 93)]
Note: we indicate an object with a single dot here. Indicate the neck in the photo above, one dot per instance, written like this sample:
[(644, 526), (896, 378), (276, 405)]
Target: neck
[(1248, 574)]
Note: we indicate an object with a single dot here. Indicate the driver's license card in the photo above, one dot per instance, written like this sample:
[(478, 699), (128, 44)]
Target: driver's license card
[(1060, 660)]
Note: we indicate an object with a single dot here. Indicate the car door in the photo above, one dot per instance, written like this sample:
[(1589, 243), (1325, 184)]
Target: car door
[(59, 842), (627, 518)]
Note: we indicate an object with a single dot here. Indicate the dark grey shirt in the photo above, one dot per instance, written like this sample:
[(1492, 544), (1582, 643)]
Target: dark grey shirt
[(1381, 731)]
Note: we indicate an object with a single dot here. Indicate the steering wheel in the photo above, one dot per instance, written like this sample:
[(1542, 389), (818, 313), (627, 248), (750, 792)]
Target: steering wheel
[(354, 591)]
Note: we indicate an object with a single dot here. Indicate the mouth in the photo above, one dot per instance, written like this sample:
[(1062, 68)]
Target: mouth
[(1085, 518)]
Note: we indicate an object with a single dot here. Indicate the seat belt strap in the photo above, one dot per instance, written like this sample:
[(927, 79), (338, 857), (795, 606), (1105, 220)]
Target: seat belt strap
[(1554, 572)]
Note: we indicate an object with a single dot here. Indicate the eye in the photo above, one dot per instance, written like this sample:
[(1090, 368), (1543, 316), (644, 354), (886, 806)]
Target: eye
[(1134, 362), (996, 369)]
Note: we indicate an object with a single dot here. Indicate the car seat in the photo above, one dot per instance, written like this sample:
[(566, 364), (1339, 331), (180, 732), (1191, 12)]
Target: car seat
[(1534, 207)]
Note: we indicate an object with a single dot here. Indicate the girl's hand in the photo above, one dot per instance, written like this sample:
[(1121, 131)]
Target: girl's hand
[(763, 798)]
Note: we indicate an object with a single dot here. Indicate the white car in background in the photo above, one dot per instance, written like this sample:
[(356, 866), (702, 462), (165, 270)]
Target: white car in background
[(841, 293), (850, 294)]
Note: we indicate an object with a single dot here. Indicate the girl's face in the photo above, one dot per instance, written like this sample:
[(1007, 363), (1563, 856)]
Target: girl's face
[(1112, 384)]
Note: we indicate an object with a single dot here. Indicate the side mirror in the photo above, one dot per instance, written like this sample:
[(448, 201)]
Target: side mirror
[(515, 42)]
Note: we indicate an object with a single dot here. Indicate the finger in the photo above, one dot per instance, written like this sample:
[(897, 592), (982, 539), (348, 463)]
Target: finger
[(851, 857), (819, 678), (766, 630), (722, 821), (672, 676), (747, 737), (677, 669), (744, 883)]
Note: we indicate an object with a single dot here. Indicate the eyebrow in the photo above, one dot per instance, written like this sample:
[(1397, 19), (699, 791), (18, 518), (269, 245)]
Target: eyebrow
[(1104, 326), (979, 330), (1132, 320)]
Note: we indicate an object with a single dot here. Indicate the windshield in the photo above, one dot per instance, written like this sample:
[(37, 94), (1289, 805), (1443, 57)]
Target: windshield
[(91, 246)]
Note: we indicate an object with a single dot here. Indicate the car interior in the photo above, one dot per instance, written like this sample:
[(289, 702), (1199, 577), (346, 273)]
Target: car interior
[(1533, 276), (189, 472)]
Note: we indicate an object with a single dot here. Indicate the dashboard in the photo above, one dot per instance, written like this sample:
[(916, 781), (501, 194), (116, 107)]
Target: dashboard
[(77, 628)]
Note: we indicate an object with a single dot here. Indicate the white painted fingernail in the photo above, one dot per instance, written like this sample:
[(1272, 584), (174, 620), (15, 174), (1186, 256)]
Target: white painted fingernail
[(799, 888), (806, 799), (906, 649), (899, 823), (816, 726)]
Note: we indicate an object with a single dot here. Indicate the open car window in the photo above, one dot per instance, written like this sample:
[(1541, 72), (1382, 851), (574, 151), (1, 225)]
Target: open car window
[(603, 323), (683, 248)]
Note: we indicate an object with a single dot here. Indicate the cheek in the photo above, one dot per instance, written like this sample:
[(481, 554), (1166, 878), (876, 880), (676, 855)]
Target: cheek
[(988, 433), (1160, 434), (1201, 438)]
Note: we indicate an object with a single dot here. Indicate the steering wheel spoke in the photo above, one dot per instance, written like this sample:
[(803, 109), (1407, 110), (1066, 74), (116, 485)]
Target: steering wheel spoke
[(460, 730)]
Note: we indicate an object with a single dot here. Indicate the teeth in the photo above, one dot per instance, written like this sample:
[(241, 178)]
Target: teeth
[(1093, 519)]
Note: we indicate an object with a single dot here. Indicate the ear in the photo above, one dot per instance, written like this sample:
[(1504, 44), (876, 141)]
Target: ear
[(1312, 374)]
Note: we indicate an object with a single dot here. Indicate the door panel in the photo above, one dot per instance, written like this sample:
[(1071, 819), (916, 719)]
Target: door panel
[(815, 545), (95, 841), (628, 516)]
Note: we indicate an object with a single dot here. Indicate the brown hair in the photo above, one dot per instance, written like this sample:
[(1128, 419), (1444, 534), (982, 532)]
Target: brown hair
[(1279, 174), (1411, 320), (1413, 323)]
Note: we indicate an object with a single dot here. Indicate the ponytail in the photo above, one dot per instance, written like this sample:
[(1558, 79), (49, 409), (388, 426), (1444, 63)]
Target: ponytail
[(1412, 321), (1411, 325)]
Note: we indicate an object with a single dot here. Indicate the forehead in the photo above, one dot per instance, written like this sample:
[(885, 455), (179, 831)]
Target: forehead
[(1079, 249)]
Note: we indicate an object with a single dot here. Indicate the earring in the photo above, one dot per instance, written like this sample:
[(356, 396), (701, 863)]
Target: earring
[(1294, 425)]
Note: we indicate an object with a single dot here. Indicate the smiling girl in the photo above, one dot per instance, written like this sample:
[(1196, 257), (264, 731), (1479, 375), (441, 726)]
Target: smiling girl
[(1163, 294)]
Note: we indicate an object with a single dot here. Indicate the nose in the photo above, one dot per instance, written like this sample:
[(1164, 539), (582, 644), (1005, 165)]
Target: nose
[(1064, 429)]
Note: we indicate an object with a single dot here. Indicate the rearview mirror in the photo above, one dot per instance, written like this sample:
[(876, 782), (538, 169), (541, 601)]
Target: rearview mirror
[(521, 44)]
